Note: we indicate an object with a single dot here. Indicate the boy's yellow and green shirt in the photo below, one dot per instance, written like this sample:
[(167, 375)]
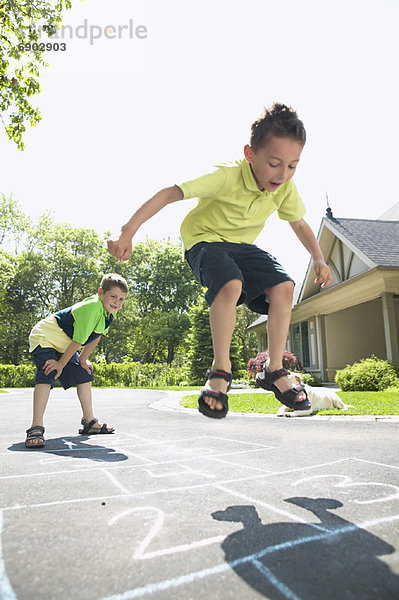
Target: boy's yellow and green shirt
[(82, 323), (231, 207)]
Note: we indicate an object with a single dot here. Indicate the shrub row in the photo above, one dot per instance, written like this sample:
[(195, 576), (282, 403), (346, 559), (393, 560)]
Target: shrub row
[(17, 376), (136, 374), (369, 374), (132, 374)]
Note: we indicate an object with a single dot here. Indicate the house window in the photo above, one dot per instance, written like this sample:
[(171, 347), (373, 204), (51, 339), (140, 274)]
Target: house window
[(301, 343), (305, 344), (262, 342)]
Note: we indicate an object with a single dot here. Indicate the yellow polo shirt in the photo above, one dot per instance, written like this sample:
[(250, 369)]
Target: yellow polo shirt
[(48, 334), (231, 207)]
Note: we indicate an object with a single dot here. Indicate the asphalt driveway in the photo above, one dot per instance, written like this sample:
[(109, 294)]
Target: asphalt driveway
[(175, 505)]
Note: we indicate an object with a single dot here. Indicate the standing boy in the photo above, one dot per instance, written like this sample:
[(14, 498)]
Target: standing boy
[(54, 343), (218, 235)]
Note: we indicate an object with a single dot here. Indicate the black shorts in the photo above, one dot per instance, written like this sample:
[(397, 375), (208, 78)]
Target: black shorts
[(72, 374), (216, 263)]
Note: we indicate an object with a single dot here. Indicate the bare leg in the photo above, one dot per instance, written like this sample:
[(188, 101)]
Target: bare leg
[(222, 318), (86, 402), (41, 395), (280, 299)]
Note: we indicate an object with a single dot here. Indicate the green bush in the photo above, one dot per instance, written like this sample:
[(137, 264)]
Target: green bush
[(369, 374), (12, 376), (136, 374), (131, 374), (311, 379)]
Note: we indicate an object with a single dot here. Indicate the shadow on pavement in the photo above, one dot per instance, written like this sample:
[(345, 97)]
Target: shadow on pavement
[(73, 447), (330, 559)]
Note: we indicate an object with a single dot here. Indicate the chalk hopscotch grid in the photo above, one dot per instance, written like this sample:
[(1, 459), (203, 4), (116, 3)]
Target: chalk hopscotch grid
[(122, 448), (7, 593)]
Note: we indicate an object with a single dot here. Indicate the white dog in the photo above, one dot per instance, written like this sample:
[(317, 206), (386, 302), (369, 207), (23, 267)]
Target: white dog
[(320, 398)]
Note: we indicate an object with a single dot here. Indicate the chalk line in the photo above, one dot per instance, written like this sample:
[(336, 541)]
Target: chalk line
[(180, 488), (348, 482), (142, 554), (373, 462), (114, 480), (279, 511), (233, 464), (6, 591), (282, 587), (153, 588)]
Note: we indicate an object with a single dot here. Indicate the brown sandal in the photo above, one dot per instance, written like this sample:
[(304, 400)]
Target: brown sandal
[(203, 407), (88, 428), (266, 380), (35, 433)]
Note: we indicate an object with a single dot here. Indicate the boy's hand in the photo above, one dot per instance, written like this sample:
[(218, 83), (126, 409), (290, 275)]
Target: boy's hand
[(86, 365), (323, 273), (53, 365), (120, 248)]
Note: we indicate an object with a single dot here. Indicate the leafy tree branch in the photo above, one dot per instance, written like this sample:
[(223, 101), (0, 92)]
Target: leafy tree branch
[(21, 24)]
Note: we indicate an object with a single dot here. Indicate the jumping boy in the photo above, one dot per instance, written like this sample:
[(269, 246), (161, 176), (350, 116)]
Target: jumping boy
[(54, 343), (218, 235)]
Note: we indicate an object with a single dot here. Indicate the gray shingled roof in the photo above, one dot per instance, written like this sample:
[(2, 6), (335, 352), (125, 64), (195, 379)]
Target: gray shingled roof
[(379, 240)]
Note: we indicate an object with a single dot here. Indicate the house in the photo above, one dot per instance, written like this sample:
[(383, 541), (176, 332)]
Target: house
[(358, 314)]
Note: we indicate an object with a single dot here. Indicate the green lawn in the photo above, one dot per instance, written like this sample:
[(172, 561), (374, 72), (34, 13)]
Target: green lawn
[(365, 403)]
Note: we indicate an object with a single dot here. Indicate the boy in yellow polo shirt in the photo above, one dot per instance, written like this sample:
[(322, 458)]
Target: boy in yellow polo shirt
[(54, 343), (218, 235)]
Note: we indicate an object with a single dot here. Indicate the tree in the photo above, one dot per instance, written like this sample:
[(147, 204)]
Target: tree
[(247, 339), (160, 278), (67, 262), (164, 288), (200, 354), (14, 225), (21, 56), (60, 265), (16, 307), (158, 336), (17, 313)]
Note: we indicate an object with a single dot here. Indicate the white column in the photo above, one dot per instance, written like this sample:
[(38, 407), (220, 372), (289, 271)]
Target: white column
[(321, 345), (390, 326)]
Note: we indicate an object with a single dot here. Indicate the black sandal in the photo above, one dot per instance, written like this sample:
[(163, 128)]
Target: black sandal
[(35, 433), (88, 428), (266, 381), (203, 407)]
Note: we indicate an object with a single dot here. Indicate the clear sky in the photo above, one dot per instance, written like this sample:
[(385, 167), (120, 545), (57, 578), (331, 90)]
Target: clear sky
[(169, 88)]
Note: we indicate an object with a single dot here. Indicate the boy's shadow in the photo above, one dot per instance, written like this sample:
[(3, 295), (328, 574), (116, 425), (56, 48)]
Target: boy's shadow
[(330, 559), (73, 447)]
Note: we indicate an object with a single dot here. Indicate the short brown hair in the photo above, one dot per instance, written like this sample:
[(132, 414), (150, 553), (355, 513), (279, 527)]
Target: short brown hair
[(278, 120), (111, 280)]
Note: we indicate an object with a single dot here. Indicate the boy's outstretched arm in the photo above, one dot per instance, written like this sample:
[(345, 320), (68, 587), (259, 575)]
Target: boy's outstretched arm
[(122, 247), (308, 239)]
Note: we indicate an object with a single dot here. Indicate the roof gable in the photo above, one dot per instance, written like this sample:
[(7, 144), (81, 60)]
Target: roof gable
[(352, 246)]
